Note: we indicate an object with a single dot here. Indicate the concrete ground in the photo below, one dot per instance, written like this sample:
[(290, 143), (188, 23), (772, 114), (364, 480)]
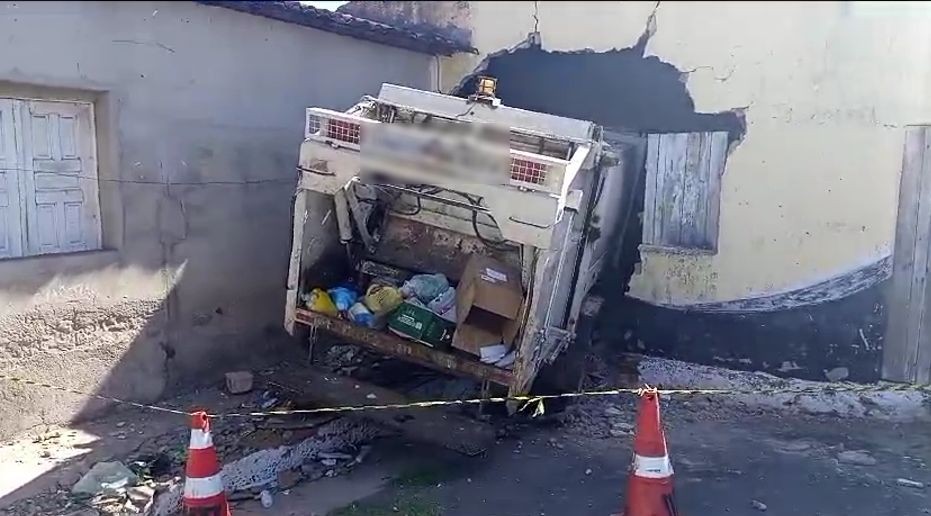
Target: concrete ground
[(729, 460), (735, 463)]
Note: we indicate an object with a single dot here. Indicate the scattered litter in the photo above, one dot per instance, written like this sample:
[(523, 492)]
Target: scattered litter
[(328, 462), (269, 403), (758, 505), (904, 482), (105, 478), (613, 411), (371, 396), (856, 457), (837, 374), (588, 471), (266, 498), (363, 453), (334, 455), (796, 446)]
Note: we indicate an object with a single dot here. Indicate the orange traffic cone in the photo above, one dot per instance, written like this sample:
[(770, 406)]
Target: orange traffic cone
[(203, 487), (649, 491)]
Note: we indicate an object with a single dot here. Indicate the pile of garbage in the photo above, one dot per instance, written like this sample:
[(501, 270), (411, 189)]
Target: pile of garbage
[(425, 308)]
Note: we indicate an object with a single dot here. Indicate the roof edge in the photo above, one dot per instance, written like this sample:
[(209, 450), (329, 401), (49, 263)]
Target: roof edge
[(347, 25)]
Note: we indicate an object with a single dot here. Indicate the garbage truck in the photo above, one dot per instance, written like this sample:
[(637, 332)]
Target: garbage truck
[(455, 233)]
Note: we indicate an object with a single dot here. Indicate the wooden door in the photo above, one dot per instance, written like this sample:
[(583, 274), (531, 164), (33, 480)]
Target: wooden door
[(60, 183), (907, 346), (11, 167)]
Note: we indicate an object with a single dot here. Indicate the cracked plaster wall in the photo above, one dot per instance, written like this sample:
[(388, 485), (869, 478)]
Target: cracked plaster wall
[(192, 278), (827, 89)]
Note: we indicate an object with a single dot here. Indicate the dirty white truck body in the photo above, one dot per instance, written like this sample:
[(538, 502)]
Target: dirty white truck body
[(555, 184)]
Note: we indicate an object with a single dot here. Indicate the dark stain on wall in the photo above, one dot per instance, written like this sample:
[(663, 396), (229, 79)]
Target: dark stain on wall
[(620, 90), (801, 342)]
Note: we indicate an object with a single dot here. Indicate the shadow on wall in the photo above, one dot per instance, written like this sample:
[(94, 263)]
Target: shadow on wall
[(169, 310), (162, 315)]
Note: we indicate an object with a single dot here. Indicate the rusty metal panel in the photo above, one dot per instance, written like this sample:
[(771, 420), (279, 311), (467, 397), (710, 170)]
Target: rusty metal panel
[(406, 350), (423, 247)]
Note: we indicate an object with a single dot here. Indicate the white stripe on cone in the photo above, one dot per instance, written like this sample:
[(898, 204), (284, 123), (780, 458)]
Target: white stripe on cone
[(203, 487), (652, 467), (200, 440)]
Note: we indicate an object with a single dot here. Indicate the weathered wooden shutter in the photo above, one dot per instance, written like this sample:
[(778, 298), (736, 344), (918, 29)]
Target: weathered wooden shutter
[(11, 221), (683, 187), (60, 185)]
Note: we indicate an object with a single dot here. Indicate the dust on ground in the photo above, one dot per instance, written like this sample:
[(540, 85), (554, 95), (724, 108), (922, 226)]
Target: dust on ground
[(729, 459)]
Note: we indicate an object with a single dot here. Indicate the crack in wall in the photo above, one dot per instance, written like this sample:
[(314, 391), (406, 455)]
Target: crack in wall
[(648, 31), (714, 73), (536, 17)]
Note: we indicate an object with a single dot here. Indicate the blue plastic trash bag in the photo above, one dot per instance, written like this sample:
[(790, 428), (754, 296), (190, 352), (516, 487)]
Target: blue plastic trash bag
[(343, 297), (361, 315)]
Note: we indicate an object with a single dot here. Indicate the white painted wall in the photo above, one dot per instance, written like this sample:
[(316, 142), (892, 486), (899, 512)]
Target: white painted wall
[(828, 90)]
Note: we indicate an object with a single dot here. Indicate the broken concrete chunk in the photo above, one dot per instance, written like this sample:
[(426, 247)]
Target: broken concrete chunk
[(83, 512), (238, 382), (856, 457), (141, 497), (288, 478), (105, 478), (312, 471)]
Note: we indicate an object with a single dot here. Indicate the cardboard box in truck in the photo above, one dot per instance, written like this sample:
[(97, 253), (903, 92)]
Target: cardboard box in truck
[(488, 305)]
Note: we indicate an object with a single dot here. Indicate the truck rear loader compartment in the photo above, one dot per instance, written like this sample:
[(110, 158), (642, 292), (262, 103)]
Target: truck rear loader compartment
[(360, 207)]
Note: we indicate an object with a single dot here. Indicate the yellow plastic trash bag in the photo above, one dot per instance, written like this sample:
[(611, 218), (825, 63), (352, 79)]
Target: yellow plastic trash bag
[(321, 302), (382, 299)]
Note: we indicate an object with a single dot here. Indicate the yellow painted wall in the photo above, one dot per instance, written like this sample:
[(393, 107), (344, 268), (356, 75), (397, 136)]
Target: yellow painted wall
[(810, 193)]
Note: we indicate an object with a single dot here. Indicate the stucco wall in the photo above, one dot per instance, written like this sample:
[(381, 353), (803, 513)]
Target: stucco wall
[(192, 278), (826, 90)]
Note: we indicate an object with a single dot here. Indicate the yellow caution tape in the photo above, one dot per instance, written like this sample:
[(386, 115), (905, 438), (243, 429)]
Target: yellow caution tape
[(527, 400)]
